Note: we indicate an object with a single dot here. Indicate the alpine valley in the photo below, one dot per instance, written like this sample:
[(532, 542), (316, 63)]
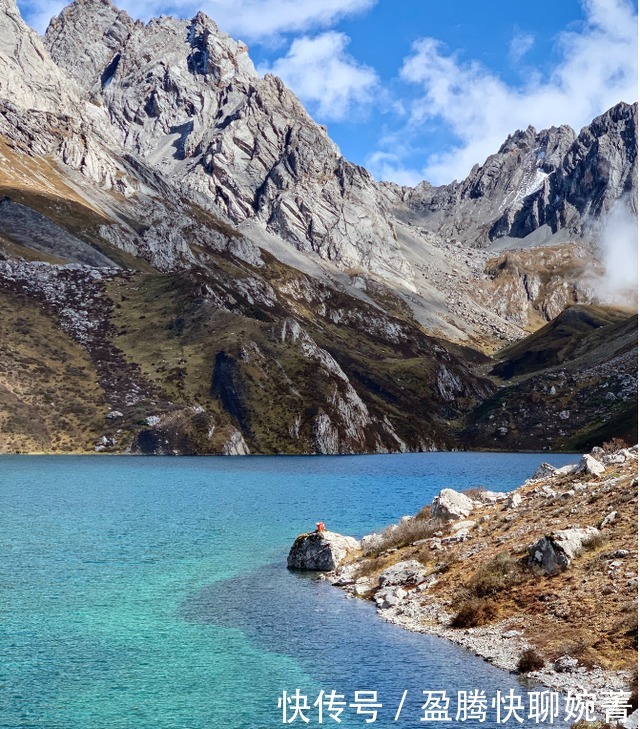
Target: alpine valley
[(188, 265)]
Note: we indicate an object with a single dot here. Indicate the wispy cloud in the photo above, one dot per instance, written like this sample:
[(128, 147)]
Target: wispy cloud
[(618, 244), (329, 80), (598, 67), (259, 19), (250, 20), (520, 45)]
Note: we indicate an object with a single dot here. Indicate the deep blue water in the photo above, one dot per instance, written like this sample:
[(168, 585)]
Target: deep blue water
[(152, 593)]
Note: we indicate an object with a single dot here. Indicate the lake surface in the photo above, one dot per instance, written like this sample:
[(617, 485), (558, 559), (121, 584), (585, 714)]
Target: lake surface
[(152, 593)]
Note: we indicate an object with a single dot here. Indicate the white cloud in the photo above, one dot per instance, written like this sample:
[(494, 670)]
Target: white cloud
[(258, 19), (618, 244), (325, 76), (520, 45), (598, 67), (388, 166), (250, 20)]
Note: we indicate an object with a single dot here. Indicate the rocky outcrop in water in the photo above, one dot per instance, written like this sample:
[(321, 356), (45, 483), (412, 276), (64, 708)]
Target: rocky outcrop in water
[(321, 551)]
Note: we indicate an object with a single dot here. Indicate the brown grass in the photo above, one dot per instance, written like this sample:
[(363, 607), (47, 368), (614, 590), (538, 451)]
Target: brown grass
[(403, 534), (474, 612), (499, 573)]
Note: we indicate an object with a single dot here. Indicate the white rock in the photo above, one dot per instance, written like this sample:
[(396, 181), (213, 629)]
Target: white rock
[(490, 497), (555, 552), (235, 445), (544, 471), (468, 524), (609, 519), (389, 597), (514, 500), (449, 505), (589, 466), (565, 664), (408, 572), (565, 470)]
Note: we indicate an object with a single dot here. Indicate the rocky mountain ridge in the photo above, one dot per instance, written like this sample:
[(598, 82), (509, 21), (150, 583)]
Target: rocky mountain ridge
[(550, 181), (202, 241)]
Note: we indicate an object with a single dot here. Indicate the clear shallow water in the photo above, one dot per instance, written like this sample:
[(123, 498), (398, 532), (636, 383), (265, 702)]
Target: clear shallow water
[(151, 593)]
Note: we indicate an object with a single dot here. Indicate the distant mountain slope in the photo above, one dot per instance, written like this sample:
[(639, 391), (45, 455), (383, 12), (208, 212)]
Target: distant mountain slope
[(574, 336), (545, 182), (225, 281), (572, 384)]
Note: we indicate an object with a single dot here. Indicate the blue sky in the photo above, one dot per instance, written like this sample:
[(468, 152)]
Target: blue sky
[(418, 89)]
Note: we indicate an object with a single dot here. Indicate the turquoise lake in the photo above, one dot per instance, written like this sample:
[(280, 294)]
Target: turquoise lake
[(152, 593)]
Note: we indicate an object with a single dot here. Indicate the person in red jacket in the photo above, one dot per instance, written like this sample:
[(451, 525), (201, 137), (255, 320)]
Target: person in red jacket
[(320, 527)]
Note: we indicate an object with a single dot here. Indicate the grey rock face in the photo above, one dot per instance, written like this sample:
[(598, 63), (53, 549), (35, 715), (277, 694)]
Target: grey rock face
[(565, 664), (389, 597), (235, 445), (589, 465), (321, 551), (598, 168), (552, 178), (408, 572), (29, 78), (186, 98), (462, 210), (544, 471)]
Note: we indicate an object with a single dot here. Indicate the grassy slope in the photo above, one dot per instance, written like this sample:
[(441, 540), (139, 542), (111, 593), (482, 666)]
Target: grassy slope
[(50, 399), (569, 366), (162, 324)]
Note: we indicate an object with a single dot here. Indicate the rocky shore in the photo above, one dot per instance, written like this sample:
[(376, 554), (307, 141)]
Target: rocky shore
[(548, 570)]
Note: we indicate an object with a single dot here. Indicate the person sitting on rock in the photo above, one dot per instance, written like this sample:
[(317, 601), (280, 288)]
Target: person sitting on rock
[(320, 527)]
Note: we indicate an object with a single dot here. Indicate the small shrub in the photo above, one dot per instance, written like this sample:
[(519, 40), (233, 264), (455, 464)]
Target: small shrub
[(613, 445), (498, 574), (593, 543), (530, 660), (402, 534), (474, 612), (580, 649)]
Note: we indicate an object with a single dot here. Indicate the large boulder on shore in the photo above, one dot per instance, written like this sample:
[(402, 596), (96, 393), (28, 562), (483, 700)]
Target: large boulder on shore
[(321, 551), (450, 505), (589, 466), (401, 574), (554, 552)]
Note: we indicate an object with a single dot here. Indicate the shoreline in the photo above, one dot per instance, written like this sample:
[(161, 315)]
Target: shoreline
[(497, 645), (577, 617)]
